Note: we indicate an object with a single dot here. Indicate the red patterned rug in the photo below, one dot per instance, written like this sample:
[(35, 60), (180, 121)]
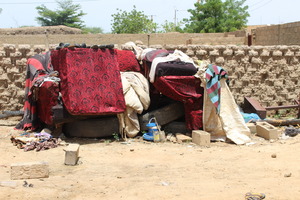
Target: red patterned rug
[(90, 80)]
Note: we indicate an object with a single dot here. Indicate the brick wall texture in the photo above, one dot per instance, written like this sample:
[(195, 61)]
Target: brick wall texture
[(270, 74), (282, 34), (237, 38)]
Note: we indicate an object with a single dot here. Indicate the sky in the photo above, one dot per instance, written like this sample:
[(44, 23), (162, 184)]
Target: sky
[(16, 13)]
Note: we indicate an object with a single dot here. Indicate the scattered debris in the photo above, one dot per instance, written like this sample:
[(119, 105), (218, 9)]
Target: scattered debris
[(27, 185), (38, 141), (11, 184), (254, 196), (183, 138), (288, 175), (291, 131)]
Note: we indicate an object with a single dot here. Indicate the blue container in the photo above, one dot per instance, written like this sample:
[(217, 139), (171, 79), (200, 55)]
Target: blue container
[(151, 128)]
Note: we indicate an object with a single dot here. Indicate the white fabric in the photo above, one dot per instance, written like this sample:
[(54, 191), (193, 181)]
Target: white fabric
[(137, 99), (232, 120), (133, 47), (177, 55), (229, 123)]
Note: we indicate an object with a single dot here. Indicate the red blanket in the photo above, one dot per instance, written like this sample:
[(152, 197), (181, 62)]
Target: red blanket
[(127, 61), (186, 89), (38, 67), (90, 81)]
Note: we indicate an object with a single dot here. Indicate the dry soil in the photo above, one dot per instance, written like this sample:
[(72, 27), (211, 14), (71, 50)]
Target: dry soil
[(143, 170)]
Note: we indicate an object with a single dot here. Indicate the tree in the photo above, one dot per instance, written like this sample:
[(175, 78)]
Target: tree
[(170, 27), (212, 16), (236, 15), (132, 22), (68, 14)]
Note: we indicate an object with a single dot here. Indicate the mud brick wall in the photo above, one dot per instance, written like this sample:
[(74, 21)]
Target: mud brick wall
[(237, 38), (282, 34), (12, 74), (269, 74)]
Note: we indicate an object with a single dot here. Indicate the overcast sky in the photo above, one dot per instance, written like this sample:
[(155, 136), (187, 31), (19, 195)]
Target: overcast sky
[(16, 13)]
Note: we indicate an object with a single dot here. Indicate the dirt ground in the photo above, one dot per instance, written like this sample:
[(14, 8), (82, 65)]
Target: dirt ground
[(143, 170)]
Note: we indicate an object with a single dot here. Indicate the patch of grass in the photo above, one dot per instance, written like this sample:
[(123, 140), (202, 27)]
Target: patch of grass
[(116, 136)]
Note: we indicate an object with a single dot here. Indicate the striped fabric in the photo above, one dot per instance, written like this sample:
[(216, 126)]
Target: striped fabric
[(213, 75), (37, 66)]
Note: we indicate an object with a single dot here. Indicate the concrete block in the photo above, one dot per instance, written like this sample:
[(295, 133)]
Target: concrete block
[(30, 170), (72, 154), (267, 131), (252, 127), (201, 138)]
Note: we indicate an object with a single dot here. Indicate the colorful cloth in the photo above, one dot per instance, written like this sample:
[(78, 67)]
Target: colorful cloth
[(187, 90), (155, 53), (213, 75), (127, 61), (176, 55), (90, 81), (38, 67)]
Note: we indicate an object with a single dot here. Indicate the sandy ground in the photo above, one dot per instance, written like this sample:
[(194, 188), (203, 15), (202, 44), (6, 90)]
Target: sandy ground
[(145, 170)]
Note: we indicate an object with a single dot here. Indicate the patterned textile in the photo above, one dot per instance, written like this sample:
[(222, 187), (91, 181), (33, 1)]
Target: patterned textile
[(185, 89), (47, 98), (90, 81), (213, 75), (155, 53), (38, 67), (127, 61)]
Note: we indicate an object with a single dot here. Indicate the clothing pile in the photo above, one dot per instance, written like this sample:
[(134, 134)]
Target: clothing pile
[(38, 141)]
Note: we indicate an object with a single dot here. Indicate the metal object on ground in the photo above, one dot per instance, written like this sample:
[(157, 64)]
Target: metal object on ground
[(253, 106)]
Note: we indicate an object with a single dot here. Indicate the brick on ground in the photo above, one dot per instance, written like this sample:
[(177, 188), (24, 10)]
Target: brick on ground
[(201, 138), (267, 131), (72, 154), (30, 170)]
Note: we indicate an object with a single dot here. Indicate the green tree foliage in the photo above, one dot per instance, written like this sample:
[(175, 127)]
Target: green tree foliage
[(171, 27), (132, 22), (68, 14), (212, 16), (93, 30)]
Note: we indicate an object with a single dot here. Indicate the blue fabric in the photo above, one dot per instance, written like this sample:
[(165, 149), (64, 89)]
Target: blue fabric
[(250, 117)]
